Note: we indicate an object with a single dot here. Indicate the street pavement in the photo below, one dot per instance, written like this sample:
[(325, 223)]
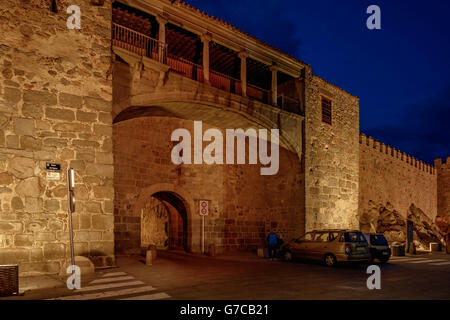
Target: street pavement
[(177, 275)]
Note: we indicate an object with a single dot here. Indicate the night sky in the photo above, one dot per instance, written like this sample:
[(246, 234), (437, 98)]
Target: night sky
[(401, 73)]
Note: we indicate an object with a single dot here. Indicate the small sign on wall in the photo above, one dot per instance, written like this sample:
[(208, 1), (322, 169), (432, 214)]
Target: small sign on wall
[(53, 171), (203, 207)]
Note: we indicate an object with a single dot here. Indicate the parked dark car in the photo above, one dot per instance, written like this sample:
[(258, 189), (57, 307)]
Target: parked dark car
[(378, 246)]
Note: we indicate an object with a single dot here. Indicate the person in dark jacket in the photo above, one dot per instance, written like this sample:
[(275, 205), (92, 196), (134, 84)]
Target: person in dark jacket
[(272, 241), (447, 242)]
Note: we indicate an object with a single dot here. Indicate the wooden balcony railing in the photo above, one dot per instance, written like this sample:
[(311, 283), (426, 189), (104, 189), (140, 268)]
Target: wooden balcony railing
[(138, 43), (288, 104), (185, 68), (144, 45), (259, 94), (224, 82)]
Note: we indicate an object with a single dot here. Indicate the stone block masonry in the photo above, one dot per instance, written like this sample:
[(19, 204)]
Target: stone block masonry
[(443, 186), (331, 157), (243, 204), (55, 106), (388, 175)]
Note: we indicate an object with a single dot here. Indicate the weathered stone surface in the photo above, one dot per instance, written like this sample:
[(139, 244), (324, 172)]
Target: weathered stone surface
[(23, 240), (103, 130), (2, 138), (37, 254), (98, 104), (87, 235), (4, 120), (100, 170), (33, 205), (34, 268), (14, 255), (104, 158), (101, 248), (85, 221), (37, 225), (30, 143), (12, 95), (72, 127), (7, 73), (103, 222), (16, 203), (59, 114), (51, 205), (45, 236), (70, 100), (86, 116), (387, 220), (59, 191), (21, 167), (41, 113), (85, 144), (32, 110), (5, 179), (55, 225), (24, 126), (78, 165), (86, 155), (93, 207), (55, 142), (12, 141), (385, 177), (43, 98), (10, 227), (29, 187), (102, 192), (105, 117), (53, 251)]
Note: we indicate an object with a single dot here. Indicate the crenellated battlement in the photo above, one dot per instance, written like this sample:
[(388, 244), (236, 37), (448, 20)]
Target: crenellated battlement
[(442, 165), (395, 153)]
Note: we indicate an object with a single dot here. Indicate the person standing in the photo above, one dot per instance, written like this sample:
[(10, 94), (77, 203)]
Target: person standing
[(447, 242), (272, 241)]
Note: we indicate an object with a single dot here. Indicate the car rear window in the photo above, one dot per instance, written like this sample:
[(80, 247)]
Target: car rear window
[(378, 240), (354, 237)]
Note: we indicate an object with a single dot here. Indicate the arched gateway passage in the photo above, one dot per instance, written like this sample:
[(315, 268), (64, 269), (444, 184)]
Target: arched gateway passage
[(164, 222), (243, 204)]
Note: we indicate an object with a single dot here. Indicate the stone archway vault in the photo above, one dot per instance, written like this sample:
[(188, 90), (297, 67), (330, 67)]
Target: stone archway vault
[(193, 227)]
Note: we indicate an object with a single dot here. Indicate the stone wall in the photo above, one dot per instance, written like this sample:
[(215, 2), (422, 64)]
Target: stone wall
[(331, 157), (388, 175), (443, 191), (55, 106), (243, 204)]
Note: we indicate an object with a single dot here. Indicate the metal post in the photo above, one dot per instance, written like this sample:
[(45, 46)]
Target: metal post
[(203, 234), (70, 183)]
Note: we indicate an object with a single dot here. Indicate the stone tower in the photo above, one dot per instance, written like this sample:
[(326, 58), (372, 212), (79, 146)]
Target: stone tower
[(443, 191)]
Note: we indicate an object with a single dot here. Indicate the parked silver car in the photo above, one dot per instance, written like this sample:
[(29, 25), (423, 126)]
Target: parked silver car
[(329, 246)]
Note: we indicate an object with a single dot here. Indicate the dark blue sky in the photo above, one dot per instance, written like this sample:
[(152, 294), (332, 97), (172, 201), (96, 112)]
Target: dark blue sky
[(401, 73)]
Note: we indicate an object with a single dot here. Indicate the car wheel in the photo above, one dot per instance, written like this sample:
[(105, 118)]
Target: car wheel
[(330, 260), (288, 256)]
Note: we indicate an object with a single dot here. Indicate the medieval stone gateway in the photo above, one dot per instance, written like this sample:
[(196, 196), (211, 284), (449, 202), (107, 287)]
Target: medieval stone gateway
[(104, 101)]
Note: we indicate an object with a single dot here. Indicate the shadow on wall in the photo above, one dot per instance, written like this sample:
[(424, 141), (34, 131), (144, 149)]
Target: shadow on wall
[(385, 219)]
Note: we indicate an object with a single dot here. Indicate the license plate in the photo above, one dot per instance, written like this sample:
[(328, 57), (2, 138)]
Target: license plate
[(360, 249), (385, 253)]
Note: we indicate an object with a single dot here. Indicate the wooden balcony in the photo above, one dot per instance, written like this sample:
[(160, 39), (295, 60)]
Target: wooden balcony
[(144, 45)]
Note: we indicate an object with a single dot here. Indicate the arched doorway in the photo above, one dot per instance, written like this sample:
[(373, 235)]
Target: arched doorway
[(164, 222)]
